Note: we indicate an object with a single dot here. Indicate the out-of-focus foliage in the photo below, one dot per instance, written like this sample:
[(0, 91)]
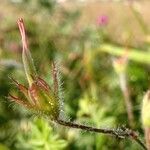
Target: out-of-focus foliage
[(39, 136), (90, 86)]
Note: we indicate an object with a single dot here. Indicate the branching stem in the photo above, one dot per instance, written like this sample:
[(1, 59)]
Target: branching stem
[(121, 132)]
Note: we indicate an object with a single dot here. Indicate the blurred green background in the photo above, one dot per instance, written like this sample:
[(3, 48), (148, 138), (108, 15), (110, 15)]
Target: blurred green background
[(85, 38)]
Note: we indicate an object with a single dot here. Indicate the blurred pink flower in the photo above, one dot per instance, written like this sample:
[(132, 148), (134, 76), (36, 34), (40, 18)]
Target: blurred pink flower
[(102, 20)]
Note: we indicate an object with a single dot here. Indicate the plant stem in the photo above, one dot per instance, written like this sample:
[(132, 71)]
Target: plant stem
[(121, 132), (138, 55), (127, 100)]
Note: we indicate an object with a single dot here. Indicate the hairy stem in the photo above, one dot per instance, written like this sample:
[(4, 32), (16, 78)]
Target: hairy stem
[(121, 132)]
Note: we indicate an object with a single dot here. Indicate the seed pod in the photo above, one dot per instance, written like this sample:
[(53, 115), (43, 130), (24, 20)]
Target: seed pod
[(146, 117), (39, 96), (26, 55), (146, 110), (44, 99)]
